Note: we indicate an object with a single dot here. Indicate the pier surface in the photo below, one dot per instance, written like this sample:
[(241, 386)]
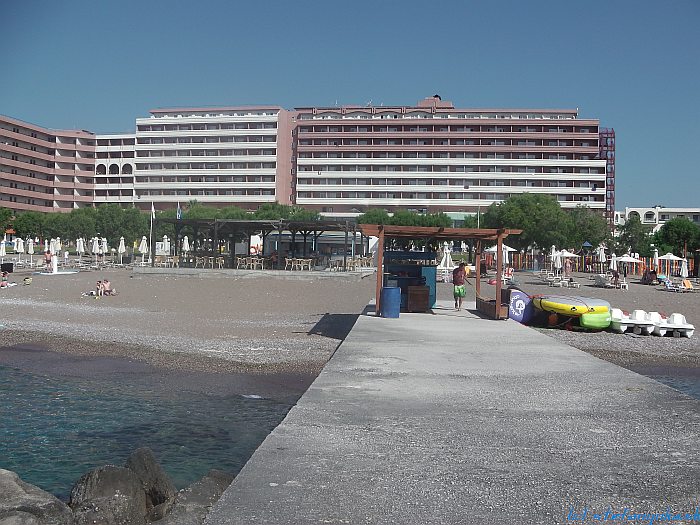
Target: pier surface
[(451, 418)]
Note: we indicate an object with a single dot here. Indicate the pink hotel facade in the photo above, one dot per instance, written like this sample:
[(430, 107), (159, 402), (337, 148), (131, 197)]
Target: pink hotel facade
[(341, 161)]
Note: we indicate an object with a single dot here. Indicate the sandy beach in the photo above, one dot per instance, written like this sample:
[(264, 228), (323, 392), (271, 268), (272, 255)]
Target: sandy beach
[(264, 325)]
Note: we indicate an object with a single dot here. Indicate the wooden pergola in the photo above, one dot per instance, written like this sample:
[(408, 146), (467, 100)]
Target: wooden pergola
[(440, 234), (231, 229)]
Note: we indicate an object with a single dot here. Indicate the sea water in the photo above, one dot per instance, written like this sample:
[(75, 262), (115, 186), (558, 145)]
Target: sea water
[(55, 429)]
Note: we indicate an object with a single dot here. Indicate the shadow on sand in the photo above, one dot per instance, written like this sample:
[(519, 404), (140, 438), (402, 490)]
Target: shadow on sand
[(335, 326)]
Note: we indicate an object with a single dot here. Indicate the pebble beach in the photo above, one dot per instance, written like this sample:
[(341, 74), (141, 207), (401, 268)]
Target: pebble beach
[(660, 355), (218, 324)]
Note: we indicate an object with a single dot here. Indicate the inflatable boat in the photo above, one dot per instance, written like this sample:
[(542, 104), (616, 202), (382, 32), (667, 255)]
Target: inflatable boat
[(570, 305)]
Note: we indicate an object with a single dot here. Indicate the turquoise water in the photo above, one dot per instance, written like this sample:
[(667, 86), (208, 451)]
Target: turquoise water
[(55, 429)]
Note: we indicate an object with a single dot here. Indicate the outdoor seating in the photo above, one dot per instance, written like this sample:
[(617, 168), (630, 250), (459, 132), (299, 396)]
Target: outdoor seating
[(557, 281), (669, 286), (688, 285), (220, 262)]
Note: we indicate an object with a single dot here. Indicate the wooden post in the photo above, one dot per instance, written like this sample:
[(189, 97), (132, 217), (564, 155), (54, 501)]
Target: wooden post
[(380, 269), (477, 266), (499, 273)]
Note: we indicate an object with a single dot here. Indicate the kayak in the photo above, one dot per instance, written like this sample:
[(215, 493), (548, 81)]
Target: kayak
[(598, 321), (570, 305)]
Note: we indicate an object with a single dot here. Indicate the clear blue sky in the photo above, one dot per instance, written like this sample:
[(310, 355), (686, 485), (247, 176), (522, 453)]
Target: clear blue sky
[(635, 65)]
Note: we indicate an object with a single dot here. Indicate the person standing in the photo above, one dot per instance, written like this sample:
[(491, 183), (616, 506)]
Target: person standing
[(459, 276)]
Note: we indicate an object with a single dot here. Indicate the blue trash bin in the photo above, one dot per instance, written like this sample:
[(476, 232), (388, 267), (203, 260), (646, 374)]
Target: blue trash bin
[(391, 301)]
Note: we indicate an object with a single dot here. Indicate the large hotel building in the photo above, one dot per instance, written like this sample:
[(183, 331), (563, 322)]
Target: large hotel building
[(340, 161)]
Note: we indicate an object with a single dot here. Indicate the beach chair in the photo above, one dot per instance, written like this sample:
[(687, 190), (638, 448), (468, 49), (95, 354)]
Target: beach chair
[(688, 285), (670, 287)]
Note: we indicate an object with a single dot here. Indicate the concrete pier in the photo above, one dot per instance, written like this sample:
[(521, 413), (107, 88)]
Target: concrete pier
[(450, 418)]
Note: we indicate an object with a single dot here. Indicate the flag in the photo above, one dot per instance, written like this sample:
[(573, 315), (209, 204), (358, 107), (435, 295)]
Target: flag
[(153, 212), (179, 212)]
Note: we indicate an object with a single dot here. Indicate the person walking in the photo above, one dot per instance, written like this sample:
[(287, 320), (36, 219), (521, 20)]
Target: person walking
[(459, 276)]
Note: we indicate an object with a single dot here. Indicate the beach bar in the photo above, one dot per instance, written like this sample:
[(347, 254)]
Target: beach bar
[(492, 308)]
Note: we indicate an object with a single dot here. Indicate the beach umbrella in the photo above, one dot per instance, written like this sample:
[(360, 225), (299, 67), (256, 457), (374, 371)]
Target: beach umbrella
[(166, 245), (552, 253), (684, 269), (58, 245), (656, 259), (143, 248), (3, 251), (567, 253), (30, 251), (104, 246), (80, 246), (46, 245), (670, 258), (95, 247), (557, 262), (185, 245), (19, 248), (121, 249), (613, 262)]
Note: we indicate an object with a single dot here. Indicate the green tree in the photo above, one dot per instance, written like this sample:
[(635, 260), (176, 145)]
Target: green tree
[(5, 219), (196, 210), (374, 216), (633, 236), (540, 217), (680, 234), (234, 212), (587, 225), (29, 224), (55, 224), (81, 223), (272, 211)]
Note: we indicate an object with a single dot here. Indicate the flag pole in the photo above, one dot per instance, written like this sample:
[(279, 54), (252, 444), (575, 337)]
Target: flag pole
[(150, 237)]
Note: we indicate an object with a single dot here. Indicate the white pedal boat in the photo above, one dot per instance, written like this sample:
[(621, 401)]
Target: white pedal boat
[(637, 322)]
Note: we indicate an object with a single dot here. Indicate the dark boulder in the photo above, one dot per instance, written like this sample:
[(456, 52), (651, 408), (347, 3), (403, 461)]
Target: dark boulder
[(109, 495), (193, 503), (25, 504), (157, 485)]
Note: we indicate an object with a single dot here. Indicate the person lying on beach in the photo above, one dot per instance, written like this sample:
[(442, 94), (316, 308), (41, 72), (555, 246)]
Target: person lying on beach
[(107, 288)]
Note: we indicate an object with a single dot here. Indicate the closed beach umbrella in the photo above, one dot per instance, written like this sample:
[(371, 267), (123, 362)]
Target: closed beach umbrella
[(58, 245), (613, 262), (143, 248), (121, 249), (95, 247), (80, 246), (104, 246), (552, 254), (557, 262), (3, 251), (46, 245), (656, 259), (52, 246), (166, 245), (30, 251), (684, 269), (185, 245), (19, 247)]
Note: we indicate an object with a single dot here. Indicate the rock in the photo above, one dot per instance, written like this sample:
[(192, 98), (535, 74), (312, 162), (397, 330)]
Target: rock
[(25, 504), (109, 495), (156, 483), (193, 503)]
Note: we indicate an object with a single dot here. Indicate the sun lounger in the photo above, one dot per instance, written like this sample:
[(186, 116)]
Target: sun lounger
[(670, 287)]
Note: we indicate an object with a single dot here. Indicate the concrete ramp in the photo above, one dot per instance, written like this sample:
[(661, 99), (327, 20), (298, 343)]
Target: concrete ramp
[(450, 418)]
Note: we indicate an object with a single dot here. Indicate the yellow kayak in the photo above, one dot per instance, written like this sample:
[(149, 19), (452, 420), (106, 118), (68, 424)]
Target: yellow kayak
[(570, 305)]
